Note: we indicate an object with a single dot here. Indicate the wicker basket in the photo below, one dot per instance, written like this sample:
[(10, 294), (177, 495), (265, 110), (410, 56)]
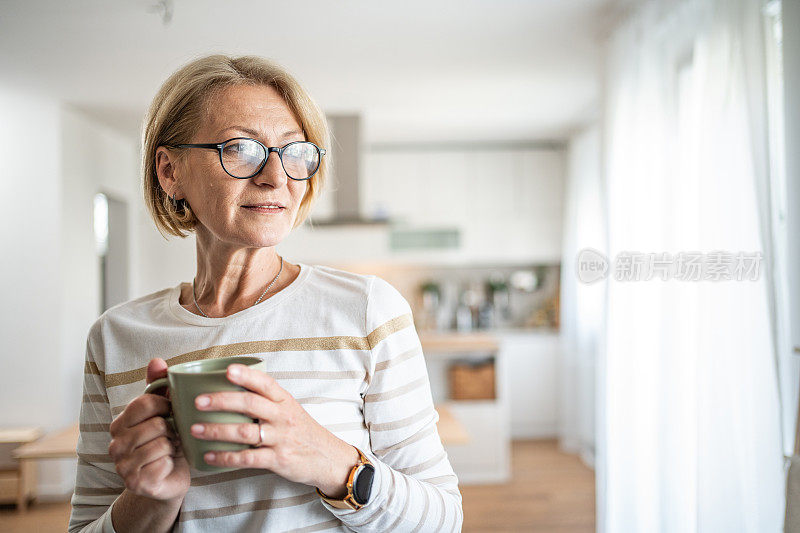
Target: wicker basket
[(472, 380)]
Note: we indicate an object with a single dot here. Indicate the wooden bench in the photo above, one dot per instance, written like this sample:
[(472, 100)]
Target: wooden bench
[(60, 444), (17, 481)]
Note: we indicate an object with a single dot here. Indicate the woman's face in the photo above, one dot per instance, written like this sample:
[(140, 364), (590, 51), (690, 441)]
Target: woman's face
[(218, 199)]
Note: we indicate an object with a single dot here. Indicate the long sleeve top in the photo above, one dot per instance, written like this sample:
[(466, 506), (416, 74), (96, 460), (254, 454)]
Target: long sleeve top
[(343, 344)]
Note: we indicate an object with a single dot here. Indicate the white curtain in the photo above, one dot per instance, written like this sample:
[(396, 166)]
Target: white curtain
[(689, 435), (582, 305)]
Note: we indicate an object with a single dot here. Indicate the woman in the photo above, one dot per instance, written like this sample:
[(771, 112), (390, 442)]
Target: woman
[(346, 384)]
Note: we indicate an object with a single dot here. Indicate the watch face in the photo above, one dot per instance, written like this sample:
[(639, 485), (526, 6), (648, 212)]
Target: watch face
[(362, 485)]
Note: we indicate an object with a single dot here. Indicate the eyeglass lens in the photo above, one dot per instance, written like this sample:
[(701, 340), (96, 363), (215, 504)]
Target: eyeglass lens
[(242, 157)]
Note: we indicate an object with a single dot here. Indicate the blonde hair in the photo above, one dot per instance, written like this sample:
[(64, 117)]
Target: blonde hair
[(180, 106)]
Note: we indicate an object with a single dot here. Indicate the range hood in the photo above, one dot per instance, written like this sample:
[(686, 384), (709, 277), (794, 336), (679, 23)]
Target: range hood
[(346, 151)]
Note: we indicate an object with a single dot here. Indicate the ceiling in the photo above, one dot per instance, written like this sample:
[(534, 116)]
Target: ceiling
[(416, 70)]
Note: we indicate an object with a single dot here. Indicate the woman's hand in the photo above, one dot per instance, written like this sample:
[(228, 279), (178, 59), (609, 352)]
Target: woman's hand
[(295, 446), (144, 447)]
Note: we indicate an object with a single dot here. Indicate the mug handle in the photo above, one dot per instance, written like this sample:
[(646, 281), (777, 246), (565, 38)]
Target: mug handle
[(162, 383)]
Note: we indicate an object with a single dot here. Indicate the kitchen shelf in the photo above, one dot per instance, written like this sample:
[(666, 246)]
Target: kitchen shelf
[(483, 452)]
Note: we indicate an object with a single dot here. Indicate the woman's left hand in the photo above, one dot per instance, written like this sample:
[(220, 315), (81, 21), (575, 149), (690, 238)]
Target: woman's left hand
[(295, 446)]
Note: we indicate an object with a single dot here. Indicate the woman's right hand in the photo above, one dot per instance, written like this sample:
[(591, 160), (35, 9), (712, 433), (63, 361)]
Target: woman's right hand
[(144, 448)]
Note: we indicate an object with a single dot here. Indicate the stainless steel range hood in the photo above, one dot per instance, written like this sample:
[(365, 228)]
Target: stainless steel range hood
[(346, 148)]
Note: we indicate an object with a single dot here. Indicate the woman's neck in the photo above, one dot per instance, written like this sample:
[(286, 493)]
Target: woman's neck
[(231, 280)]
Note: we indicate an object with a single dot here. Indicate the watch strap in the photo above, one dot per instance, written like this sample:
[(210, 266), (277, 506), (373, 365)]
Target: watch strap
[(349, 501)]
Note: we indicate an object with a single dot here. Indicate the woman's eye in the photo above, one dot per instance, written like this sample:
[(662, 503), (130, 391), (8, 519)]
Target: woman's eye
[(241, 149)]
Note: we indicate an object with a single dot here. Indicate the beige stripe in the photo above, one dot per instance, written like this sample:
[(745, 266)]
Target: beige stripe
[(95, 458), (100, 398), (94, 427), (401, 516), (411, 470), (460, 519), (443, 507), (98, 491), (424, 516), (317, 527), (389, 497), (387, 328), (245, 348), (408, 354), (278, 345), (322, 399), (302, 401), (222, 477), (90, 367), (399, 391), (403, 422), (318, 374), (441, 480), (89, 505), (451, 490), (410, 440), (345, 426), (260, 505)]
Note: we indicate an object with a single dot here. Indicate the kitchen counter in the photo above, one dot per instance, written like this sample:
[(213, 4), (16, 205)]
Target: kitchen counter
[(527, 371), (449, 342), (485, 340)]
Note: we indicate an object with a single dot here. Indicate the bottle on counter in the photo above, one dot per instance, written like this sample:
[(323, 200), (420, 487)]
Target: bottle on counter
[(486, 316), (463, 317), (464, 311)]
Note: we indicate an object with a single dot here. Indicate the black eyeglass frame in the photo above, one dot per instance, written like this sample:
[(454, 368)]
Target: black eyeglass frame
[(219, 147)]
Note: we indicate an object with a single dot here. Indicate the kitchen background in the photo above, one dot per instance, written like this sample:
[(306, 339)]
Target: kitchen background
[(479, 146)]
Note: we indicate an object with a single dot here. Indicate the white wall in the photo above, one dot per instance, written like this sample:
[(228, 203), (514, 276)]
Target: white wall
[(33, 390), (161, 262), (93, 159), (51, 269)]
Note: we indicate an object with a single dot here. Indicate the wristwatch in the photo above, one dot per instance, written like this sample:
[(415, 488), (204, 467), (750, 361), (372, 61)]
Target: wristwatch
[(359, 486)]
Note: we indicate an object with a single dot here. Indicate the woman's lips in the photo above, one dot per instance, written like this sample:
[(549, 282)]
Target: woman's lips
[(265, 210)]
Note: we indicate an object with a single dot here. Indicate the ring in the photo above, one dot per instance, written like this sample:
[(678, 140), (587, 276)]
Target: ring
[(260, 435)]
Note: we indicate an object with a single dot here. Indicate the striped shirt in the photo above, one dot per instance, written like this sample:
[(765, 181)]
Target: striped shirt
[(343, 344)]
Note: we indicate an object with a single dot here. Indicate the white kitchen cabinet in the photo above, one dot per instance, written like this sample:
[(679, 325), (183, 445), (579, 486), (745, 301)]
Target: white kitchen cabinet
[(486, 455), (531, 358), (506, 203)]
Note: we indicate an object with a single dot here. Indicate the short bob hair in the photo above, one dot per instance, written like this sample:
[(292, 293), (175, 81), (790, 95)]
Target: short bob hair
[(180, 106)]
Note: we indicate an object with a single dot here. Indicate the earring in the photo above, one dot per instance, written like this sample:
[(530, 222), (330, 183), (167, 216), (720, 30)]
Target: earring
[(174, 202)]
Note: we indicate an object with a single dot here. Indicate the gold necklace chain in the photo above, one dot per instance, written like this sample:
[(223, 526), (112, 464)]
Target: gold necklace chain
[(259, 298)]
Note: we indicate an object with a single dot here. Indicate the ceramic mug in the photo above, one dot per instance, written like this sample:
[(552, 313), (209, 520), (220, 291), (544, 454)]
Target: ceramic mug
[(185, 382)]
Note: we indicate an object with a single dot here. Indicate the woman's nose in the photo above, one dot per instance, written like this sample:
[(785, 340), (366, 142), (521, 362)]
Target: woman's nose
[(272, 172)]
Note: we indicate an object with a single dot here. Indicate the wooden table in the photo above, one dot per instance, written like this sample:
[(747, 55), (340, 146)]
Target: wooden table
[(56, 445), (16, 482), (451, 431)]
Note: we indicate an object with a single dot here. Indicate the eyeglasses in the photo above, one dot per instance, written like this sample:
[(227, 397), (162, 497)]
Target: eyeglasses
[(242, 157)]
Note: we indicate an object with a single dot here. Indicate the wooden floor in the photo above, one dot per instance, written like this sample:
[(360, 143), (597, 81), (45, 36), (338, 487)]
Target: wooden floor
[(550, 491)]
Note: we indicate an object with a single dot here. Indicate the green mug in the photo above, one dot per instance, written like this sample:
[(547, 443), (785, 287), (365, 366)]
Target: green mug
[(185, 382)]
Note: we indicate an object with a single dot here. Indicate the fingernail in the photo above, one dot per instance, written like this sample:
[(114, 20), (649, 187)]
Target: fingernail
[(210, 456), (198, 428), (202, 401), (234, 370)]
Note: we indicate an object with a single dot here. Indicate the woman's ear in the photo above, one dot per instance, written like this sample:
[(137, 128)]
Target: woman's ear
[(167, 171)]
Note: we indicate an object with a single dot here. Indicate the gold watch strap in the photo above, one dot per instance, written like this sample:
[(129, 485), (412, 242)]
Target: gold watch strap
[(348, 502)]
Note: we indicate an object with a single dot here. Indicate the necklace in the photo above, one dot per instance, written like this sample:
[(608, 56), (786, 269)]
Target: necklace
[(259, 298)]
